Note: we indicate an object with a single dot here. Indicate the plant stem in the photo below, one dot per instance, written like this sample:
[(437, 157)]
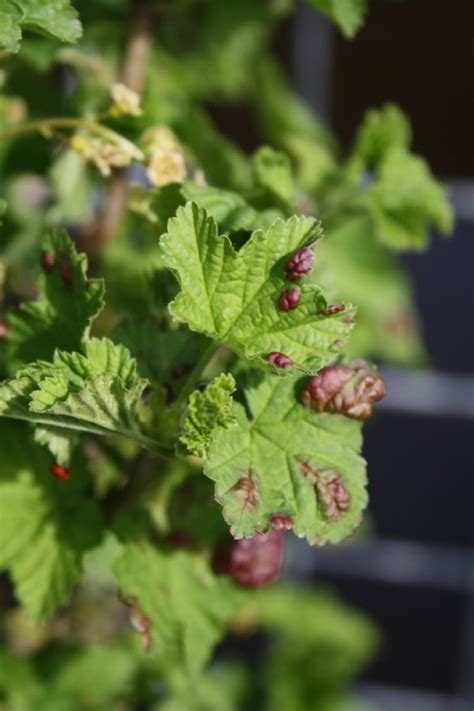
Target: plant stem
[(48, 124), (133, 75), (195, 376)]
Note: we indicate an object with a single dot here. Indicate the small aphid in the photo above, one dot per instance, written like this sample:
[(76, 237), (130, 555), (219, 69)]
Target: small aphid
[(300, 264), (289, 299), (279, 359), (48, 261), (333, 309), (59, 472)]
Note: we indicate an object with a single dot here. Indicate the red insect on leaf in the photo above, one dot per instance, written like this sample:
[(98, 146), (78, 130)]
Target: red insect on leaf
[(59, 472)]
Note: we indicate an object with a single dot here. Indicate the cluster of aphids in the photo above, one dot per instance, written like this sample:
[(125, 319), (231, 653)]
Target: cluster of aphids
[(296, 268)]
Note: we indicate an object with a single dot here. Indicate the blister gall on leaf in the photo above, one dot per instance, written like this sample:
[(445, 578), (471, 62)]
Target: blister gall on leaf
[(349, 389), (300, 264), (289, 299), (280, 360), (252, 562)]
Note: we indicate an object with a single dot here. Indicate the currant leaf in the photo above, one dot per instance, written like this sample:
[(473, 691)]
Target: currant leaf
[(381, 131), (46, 526), (405, 201), (67, 305), (347, 14), (97, 392), (230, 210), (273, 176), (161, 355), (283, 459), (56, 18), (207, 413), (354, 262), (233, 296), (187, 606), (60, 443)]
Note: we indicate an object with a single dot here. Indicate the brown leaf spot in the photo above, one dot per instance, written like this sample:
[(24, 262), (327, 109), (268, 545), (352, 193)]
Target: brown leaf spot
[(334, 498), (246, 490)]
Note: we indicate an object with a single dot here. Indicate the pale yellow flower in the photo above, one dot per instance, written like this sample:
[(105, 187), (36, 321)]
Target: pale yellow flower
[(159, 138), (126, 101), (166, 167), (106, 155)]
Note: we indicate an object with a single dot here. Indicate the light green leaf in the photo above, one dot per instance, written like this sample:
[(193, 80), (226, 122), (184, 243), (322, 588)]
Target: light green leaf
[(223, 687), (72, 188), (10, 32), (159, 353), (98, 392), (56, 18), (277, 459), (318, 646), (288, 123), (406, 201), (187, 605), (208, 413), (94, 677), (229, 209), (347, 14), (233, 296), (47, 525), (62, 316), (273, 175), (353, 262), (381, 131), (59, 442)]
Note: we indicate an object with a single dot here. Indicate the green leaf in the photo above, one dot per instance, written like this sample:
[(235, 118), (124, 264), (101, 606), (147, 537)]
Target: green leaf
[(208, 413), (187, 605), (347, 14), (47, 525), (220, 688), (56, 18), (10, 32), (288, 123), (59, 442), (72, 188), (159, 353), (229, 209), (98, 392), (353, 262), (233, 296), (381, 131), (62, 316), (405, 201), (318, 646), (95, 677), (273, 175), (276, 460)]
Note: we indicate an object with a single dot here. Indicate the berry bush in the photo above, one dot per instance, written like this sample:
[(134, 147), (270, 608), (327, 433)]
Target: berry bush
[(187, 347)]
